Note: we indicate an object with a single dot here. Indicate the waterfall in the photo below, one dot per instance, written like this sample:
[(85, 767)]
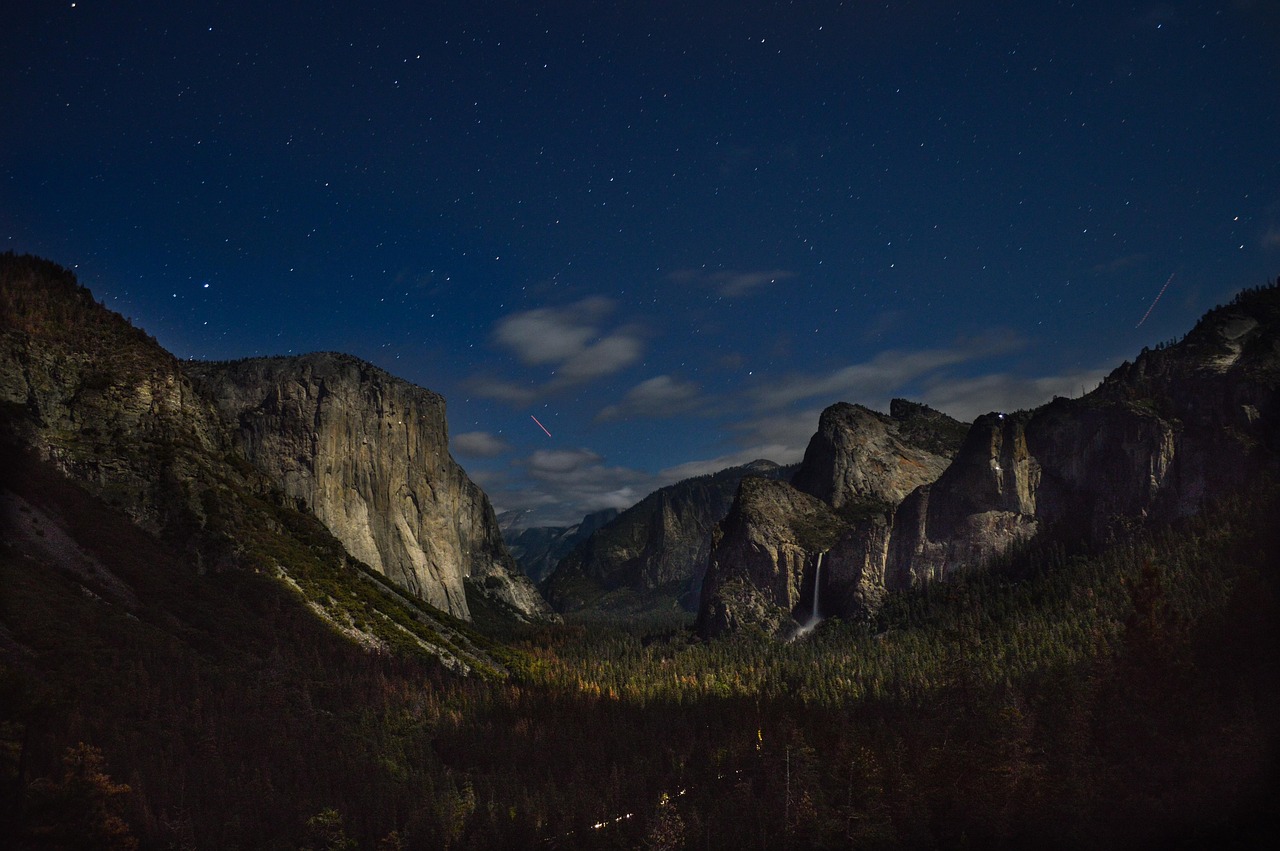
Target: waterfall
[(814, 617), (817, 579)]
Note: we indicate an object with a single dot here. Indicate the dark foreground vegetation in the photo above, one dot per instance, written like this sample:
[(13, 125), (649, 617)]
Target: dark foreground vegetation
[(1120, 698)]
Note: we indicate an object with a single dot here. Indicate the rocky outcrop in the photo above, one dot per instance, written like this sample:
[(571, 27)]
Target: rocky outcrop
[(860, 455), (984, 501), (82, 388), (1180, 426), (655, 553), (857, 468), (368, 455), (1156, 440), (763, 553)]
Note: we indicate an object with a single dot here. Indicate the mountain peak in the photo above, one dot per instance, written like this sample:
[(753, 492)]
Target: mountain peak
[(859, 454)]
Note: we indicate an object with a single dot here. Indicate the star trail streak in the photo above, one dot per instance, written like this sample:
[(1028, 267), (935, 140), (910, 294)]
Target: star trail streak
[(1153, 304)]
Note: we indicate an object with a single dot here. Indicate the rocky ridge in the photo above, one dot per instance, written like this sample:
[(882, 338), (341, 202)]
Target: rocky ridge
[(1156, 440), (860, 455), (538, 549), (763, 565), (102, 402), (653, 555)]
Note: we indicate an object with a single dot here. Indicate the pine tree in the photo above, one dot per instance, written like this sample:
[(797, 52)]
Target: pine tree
[(84, 810)]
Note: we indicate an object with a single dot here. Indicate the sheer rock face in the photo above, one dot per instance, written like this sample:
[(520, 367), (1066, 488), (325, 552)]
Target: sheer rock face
[(859, 454), (763, 553), (840, 503), (985, 501), (368, 454), (1161, 436), (853, 571), (1152, 443), (658, 548)]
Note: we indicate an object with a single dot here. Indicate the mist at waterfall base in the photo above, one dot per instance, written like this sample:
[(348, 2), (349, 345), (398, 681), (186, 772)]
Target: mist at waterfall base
[(815, 612)]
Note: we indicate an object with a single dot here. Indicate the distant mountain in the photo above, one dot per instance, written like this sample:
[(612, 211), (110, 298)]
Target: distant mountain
[(537, 550), (652, 556), (1177, 429)]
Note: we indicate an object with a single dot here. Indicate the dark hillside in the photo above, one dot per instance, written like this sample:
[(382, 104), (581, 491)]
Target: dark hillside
[(207, 694)]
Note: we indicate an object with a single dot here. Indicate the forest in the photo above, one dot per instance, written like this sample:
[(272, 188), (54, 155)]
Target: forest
[(1122, 696)]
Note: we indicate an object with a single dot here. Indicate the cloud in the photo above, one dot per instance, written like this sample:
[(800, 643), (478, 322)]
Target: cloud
[(556, 462), (479, 444), (791, 430), (874, 382), (504, 391), (690, 469), (781, 438), (660, 396), (577, 481), (1271, 239), (730, 283), (735, 284), (873, 379), (968, 398), (569, 340)]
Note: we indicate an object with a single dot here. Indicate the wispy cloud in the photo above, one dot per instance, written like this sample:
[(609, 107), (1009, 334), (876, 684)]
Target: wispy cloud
[(569, 339), (572, 342), (1271, 239), (783, 426), (572, 482), (489, 387), (780, 438), (871, 379), (874, 381), (968, 398), (479, 444), (731, 283), (660, 396)]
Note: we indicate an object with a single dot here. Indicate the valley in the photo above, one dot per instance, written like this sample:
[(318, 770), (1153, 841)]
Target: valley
[(258, 604)]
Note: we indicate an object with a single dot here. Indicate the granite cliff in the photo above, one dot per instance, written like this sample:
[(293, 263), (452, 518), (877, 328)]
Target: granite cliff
[(763, 565), (1157, 440), (653, 555), (763, 557), (368, 455), (860, 455), (1160, 437), (85, 391)]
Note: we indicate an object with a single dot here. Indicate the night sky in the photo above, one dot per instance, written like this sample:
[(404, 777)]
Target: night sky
[(671, 231)]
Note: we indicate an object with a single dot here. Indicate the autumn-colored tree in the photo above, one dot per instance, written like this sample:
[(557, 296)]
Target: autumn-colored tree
[(84, 810)]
